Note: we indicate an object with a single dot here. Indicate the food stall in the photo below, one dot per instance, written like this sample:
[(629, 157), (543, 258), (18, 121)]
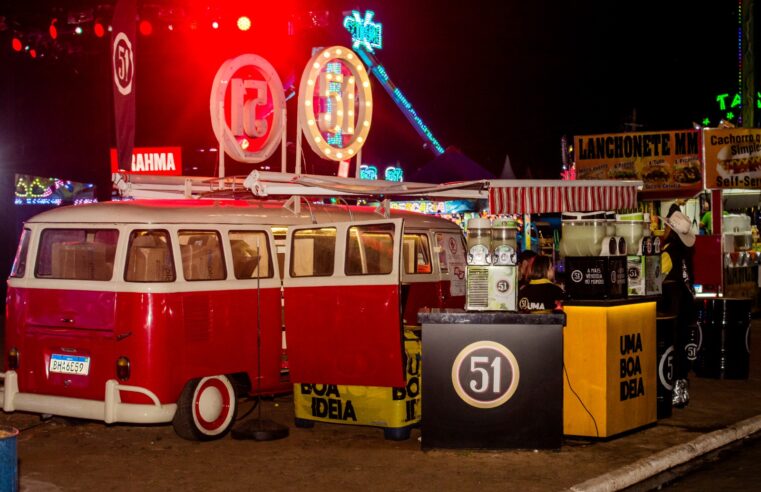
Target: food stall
[(669, 165), (732, 168), (609, 345)]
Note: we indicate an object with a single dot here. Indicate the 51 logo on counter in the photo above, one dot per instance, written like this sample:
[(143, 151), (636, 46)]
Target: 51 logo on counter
[(485, 374)]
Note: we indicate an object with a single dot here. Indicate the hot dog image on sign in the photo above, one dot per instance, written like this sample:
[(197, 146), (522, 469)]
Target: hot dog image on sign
[(335, 103)]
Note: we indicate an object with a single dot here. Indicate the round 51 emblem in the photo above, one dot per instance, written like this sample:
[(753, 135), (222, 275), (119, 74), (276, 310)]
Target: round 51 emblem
[(485, 374), (247, 106), (123, 63), (335, 103)]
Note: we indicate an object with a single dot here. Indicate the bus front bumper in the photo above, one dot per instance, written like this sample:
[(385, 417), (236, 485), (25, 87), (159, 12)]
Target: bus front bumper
[(110, 410)]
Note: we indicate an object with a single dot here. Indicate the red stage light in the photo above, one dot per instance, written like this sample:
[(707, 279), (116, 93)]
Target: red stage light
[(146, 28), (215, 25), (33, 53), (16, 44), (98, 29), (244, 23), (53, 30)]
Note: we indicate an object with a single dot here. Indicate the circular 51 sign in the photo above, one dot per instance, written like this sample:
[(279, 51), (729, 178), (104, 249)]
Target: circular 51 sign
[(335, 103), (247, 105), (485, 374)]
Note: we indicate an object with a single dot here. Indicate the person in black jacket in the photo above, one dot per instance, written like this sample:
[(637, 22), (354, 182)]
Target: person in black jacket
[(676, 265), (540, 295), (525, 258)]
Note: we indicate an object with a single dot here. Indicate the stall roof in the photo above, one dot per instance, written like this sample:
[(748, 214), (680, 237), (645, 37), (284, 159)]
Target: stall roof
[(546, 196)]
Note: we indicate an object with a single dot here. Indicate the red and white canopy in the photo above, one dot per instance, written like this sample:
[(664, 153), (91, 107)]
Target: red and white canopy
[(547, 196)]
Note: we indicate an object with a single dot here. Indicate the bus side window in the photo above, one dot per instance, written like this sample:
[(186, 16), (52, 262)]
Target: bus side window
[(416, 254), (19, 262), (313, 252), (149, 257), (77, 254), (251, 254), (370, 250), (201, 255)]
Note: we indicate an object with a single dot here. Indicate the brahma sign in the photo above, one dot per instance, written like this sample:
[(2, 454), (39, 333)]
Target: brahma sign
[(163, 161)]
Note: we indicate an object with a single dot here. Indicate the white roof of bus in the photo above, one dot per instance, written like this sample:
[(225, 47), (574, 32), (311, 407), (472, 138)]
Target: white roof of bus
[(222, 212)]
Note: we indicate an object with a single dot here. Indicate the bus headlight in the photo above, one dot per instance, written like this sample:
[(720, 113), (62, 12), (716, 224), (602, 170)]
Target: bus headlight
[(122, 368)]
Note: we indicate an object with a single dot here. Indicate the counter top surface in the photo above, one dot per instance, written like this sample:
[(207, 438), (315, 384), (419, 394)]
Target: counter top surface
[(460, 316), (611, 302)]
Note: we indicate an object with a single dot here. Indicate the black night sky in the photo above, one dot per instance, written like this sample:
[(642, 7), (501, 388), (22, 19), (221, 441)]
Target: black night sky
[(489, 78)]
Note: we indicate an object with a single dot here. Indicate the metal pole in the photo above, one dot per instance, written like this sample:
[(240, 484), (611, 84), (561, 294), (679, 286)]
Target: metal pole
[(283, 144), (222, 125), (297, 170)]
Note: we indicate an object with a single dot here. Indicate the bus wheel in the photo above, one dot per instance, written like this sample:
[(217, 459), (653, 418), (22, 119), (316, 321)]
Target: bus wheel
[(206, 409)]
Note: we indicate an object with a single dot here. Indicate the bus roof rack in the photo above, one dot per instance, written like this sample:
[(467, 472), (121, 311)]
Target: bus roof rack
[(262, 184)]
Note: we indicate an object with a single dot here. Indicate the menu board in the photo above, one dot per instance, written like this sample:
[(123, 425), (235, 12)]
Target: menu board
[(666, 162), (732, 158)]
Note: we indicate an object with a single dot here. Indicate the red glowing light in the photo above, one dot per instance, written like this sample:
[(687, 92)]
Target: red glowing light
[(146, 28), (98, 29), (53, 30), (244, 23), (33, 53), (16, 44), (215, 25)]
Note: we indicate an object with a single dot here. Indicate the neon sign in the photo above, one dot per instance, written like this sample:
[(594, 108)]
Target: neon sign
[(394, 173), (364, 32), (34, 190), (368, 172), (335, 103), (730, 106)]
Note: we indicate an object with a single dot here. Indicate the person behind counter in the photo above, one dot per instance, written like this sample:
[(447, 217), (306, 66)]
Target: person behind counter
[(540, 295), (676, 265), (525, 259)]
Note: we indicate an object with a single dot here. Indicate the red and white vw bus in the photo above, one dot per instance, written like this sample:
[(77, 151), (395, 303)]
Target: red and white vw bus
[(153, 311)]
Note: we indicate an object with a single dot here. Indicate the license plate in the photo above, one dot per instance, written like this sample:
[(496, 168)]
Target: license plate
[(70, 364)]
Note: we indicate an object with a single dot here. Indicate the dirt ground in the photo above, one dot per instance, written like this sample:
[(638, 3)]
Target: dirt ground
[(57, 454)]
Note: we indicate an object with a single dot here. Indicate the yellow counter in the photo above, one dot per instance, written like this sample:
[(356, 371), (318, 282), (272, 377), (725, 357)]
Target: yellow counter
[(609, 357)]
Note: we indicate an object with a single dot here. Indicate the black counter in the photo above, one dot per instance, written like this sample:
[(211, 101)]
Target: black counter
[(491, 380)]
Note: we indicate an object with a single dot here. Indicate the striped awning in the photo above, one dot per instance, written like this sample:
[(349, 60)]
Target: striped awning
[(547, 196)]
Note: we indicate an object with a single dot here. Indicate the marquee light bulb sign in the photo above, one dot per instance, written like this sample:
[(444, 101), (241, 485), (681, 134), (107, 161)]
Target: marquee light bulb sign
[(335, 103), (247, 108)]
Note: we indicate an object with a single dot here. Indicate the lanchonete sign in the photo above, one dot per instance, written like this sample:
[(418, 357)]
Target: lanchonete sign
[(667, 161)]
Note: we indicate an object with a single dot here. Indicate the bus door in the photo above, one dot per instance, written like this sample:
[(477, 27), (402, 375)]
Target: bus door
[(342, 307)]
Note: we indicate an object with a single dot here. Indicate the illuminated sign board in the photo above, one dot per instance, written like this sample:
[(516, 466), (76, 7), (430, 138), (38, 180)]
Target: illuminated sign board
[(34, 190), (730, 106), (364, 32), (394, 173), (152, 160), (368, 172), (247, 108), (335, 103)]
